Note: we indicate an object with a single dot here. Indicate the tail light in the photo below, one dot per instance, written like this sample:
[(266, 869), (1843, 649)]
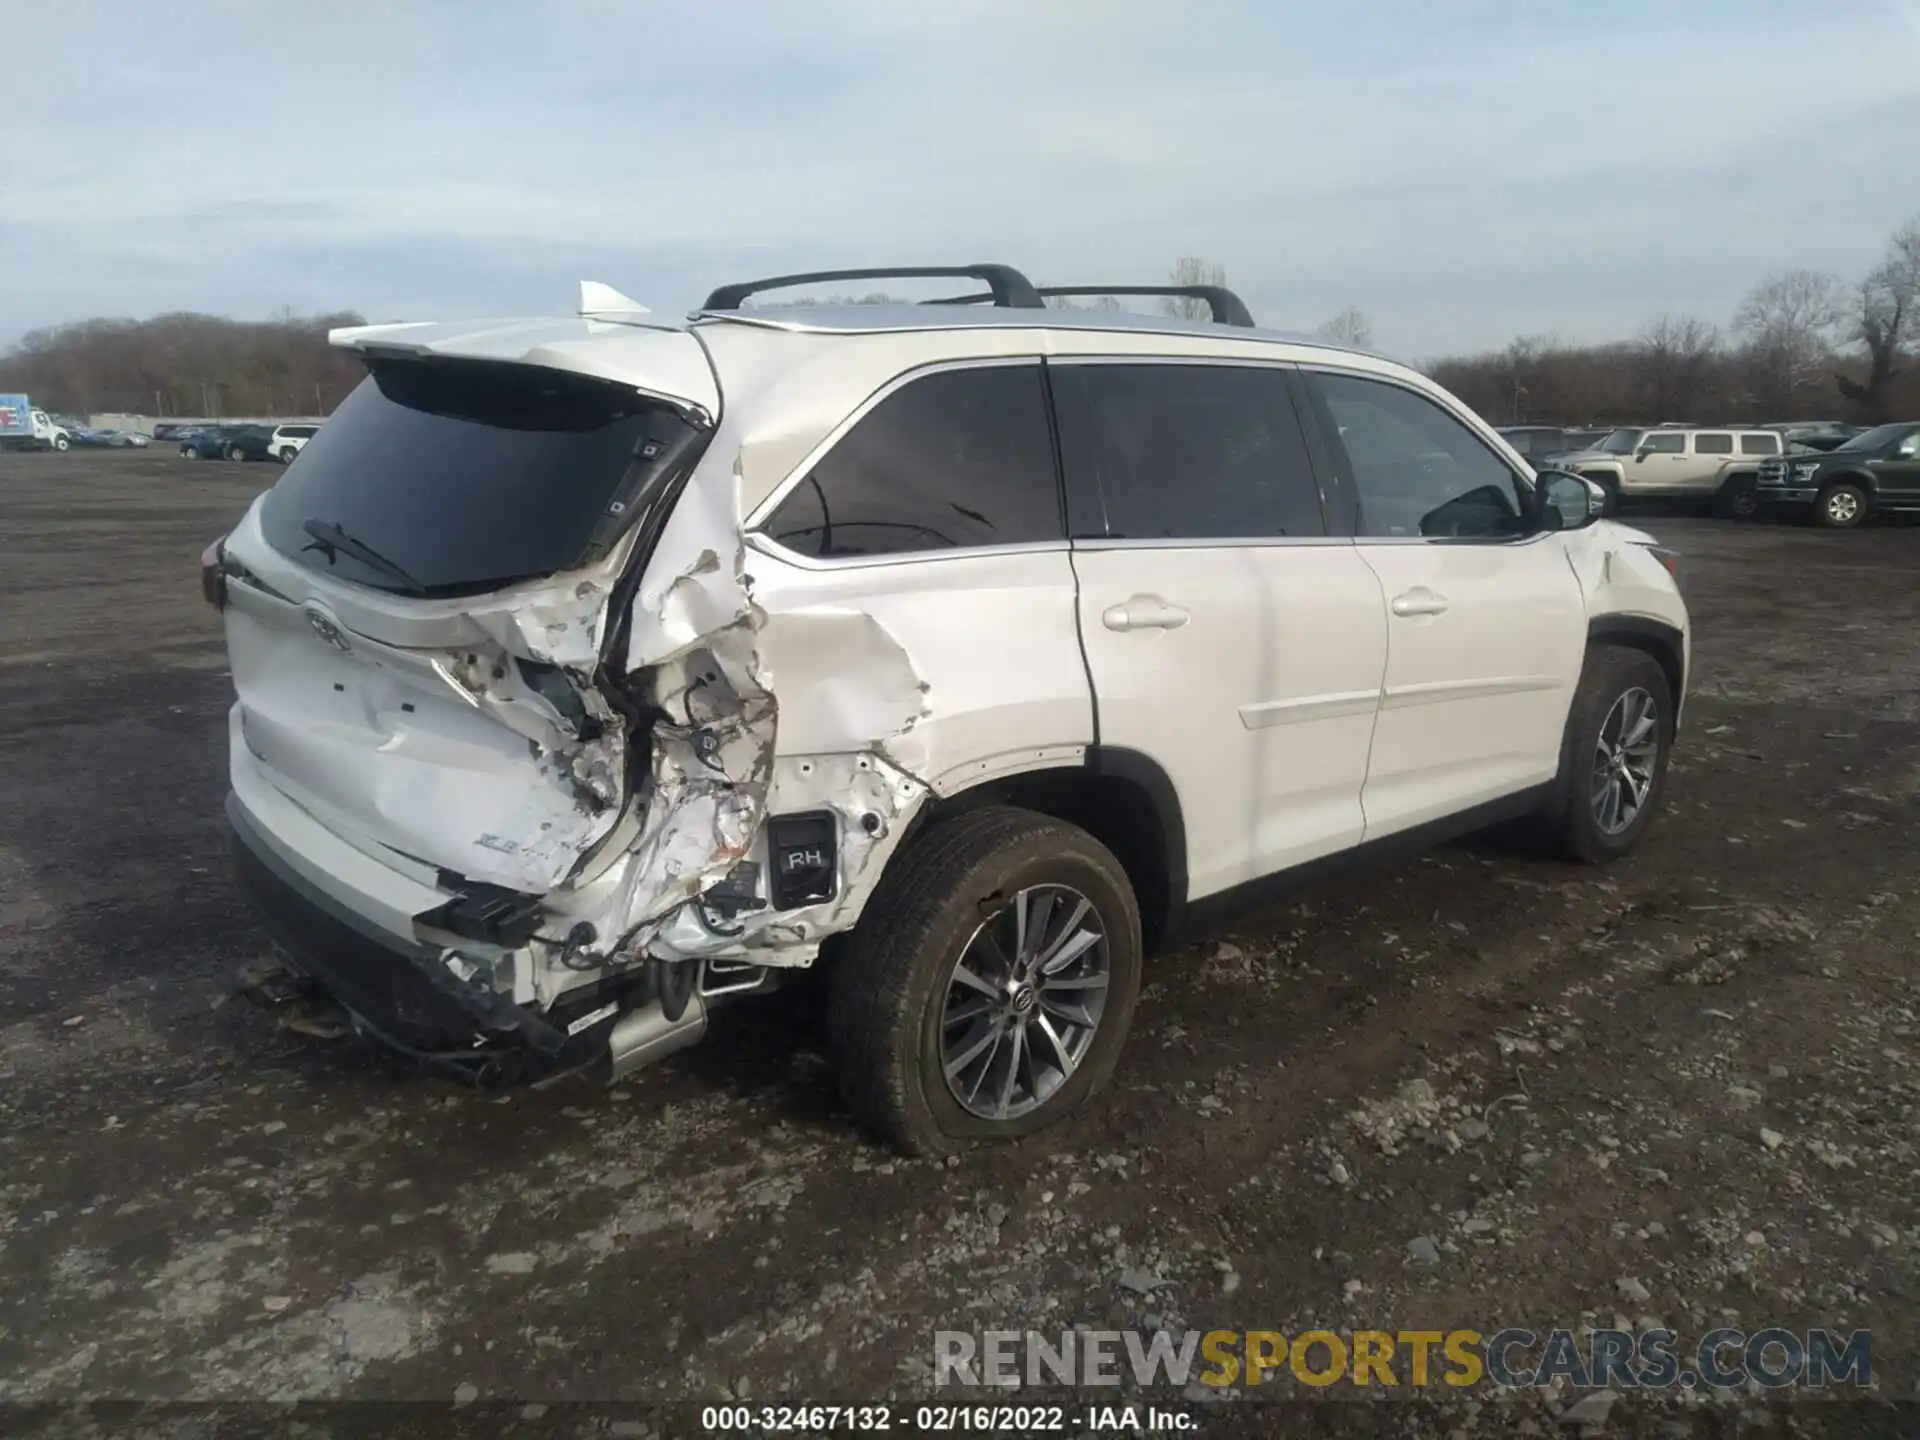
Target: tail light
[(213, 575)]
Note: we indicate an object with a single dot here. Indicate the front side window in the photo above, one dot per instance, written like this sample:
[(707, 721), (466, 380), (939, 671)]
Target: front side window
[(1184, 452), (957, 458), (1665, 442), (1759, 444), (1419, 471), (1713, 444)]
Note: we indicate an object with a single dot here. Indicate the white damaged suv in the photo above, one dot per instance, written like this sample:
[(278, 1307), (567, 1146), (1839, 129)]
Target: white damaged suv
[(590, 670)]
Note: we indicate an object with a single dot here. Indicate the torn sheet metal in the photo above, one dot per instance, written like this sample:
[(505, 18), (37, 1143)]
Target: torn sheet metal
[(831, 689)]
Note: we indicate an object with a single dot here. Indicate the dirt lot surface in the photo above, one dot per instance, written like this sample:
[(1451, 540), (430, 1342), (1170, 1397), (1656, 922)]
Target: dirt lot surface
[(1479, 1091)]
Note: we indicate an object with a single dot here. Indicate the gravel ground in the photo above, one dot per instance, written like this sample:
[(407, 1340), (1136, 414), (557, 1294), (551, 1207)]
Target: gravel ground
[(1480, 1090)]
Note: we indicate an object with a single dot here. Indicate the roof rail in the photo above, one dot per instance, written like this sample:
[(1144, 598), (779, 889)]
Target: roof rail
[(1006, 286), (1227, 307)]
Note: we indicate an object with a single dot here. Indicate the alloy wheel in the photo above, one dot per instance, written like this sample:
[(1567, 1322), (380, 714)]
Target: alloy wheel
[(1624, 758), (1843, 507), (1024, 1002)]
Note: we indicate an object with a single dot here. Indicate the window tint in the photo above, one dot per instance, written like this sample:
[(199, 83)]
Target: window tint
[(1184, 452), (956, 458), (464, 476), (1713, 444), (1418, 469), (1759, 444), (1665, 442)]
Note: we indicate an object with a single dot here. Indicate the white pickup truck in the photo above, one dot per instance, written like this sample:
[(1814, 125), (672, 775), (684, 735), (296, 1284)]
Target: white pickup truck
[(24, 427)]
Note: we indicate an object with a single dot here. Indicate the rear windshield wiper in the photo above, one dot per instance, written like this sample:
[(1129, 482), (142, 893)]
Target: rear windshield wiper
[(328, 539)]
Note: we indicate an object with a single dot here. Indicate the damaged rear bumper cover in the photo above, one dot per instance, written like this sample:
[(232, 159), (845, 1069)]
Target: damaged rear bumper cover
[(408, 998), (402, 993)]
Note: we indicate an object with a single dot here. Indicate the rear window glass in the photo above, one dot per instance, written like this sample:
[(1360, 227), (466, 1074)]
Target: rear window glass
[(1713, 444), (465, 476)]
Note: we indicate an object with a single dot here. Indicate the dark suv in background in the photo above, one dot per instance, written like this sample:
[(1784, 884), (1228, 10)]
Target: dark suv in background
[(1878, 469), (1540, 444)]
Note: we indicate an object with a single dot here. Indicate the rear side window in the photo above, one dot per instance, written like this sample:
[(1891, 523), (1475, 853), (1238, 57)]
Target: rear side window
[(466, 476), (1713, 444), (1184, 452), (1419, 471), (1759, 444), (958, 458)]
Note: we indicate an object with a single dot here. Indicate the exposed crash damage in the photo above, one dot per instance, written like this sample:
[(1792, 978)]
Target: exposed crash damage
[(579, 903)]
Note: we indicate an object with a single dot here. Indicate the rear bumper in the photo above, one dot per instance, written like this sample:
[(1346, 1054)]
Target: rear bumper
[(401, 989)]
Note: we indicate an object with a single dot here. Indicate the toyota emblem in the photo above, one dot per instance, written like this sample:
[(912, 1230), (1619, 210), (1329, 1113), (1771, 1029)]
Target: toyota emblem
[(328, 631)]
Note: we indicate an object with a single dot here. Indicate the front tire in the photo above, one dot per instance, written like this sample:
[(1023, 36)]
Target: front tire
[(989, 985), (235, 453), (1613, 760), (60, 442), (1843, 506)]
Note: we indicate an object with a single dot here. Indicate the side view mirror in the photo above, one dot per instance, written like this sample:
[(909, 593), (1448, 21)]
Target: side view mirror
[(1569, 501), (1640, 455)]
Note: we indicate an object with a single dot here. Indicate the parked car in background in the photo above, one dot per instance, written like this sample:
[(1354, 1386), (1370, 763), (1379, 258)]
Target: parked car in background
[(247, 442), (1544, 444), (113, 439), (200, 442), (1876, 470), (1820, 438), (288, 440), (1678, 463)]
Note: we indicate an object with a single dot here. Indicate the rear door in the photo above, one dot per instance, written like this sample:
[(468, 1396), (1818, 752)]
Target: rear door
[(1709, 453), (1231, 639), (1486, 623)]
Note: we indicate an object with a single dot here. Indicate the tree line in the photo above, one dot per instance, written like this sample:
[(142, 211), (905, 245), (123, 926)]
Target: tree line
[(185, 364), (1803, 344)]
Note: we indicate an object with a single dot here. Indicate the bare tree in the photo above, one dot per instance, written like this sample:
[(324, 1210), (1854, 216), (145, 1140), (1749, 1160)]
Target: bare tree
[(1885, 321), (1787, 323), (1350, 327), (1191, 270), (1673, 361)]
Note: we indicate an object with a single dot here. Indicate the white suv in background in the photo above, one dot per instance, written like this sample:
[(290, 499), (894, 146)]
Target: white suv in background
[(1677, 463), (288, 441), (591, 670)]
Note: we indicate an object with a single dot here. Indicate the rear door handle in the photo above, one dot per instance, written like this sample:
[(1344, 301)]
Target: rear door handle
[(1144, 612), (1419, 601)]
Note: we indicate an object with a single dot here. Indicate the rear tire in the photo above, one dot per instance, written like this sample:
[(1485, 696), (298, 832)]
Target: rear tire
[(903, 1022), (1843, 506), (1603, 800), (235, 453), (1739, 498)]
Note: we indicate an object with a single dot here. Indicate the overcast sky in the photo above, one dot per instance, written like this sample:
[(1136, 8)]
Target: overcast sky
[(1463, 171)]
